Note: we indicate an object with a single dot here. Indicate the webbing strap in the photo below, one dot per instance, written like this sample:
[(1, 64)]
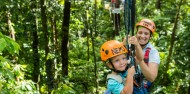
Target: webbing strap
[(116, 77), (146, 55)]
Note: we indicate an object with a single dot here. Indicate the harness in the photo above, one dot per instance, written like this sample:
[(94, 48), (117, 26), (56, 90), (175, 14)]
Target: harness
[(140, 80)]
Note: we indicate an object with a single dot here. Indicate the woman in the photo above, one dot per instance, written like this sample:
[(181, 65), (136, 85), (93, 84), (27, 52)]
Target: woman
[(150, 60)]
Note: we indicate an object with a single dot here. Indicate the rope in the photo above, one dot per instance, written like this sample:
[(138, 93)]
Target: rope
[(129, 20)]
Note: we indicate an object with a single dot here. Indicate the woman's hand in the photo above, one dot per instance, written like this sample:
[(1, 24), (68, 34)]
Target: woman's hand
[(133, 40), (138, 50)]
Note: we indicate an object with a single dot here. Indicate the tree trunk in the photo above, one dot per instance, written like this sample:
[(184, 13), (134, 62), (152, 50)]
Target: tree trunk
[(65, 31), (46, 40), (36, 70), (142, 4), (12, 34), (158, 4), (55, 47), (44, 26), (166, 80), (189, 89), (86, 34), (86, 30), (50, 77), (54, 33), (11, 29), (92, 37)]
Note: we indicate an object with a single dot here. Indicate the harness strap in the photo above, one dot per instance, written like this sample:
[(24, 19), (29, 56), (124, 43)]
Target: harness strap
[(146, 55), (116, 77), (147, 83), (135, 83)]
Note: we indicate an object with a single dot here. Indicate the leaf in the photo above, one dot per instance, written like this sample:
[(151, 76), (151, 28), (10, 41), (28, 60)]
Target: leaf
[(28, 87), (11, 46), (24, 66), (61, 2), (16, 47), (3, 44)]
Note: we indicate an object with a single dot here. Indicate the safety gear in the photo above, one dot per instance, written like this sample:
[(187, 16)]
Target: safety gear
[(146, 55), (112, 48), (147, 23), (141, 84)]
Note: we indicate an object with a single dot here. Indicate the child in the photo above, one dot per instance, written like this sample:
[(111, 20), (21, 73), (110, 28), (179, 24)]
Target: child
[(120, 81)]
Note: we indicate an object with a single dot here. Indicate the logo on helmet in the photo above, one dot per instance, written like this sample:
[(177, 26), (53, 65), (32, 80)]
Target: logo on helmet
[(148, 24), (117, 50)]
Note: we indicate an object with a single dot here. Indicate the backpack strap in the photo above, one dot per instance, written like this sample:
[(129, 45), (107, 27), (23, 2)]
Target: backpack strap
[(146, 55), (116, 77)]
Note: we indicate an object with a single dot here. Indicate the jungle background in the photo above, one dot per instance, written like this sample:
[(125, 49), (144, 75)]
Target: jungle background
[(52, 46)]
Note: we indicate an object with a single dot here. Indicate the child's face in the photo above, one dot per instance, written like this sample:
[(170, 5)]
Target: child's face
[(119, 62), (143, 35)]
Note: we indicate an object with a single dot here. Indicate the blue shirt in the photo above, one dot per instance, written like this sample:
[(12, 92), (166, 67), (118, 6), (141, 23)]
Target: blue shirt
[(114, 86)]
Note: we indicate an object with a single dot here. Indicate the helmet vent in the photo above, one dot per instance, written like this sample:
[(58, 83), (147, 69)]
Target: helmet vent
[(106, 51), (103, 50), (153, 27)]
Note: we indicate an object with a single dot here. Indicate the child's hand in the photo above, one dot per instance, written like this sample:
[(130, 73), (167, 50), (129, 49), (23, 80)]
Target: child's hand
[(131, 71)]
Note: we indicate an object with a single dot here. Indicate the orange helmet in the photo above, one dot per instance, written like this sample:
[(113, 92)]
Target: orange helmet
[(147, 23), (112, 48)]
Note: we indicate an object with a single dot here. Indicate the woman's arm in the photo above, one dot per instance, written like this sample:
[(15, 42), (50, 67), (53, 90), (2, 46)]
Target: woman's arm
[(150, 72)]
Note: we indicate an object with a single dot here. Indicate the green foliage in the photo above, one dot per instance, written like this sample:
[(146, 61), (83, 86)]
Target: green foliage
[(9, 45), (12, 75), (64, 89)]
